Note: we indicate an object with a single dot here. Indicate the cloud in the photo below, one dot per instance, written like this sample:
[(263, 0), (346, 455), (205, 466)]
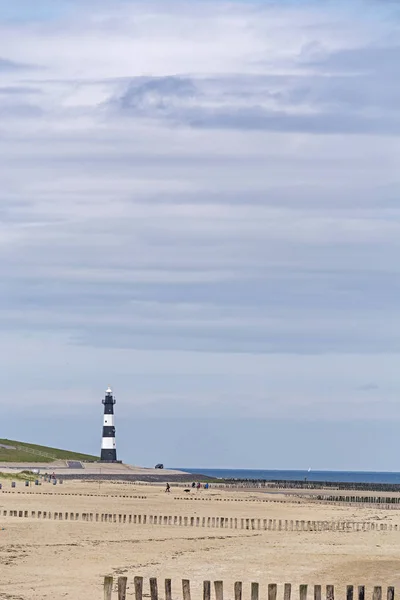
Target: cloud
[(197, 188), (368, 387), (10, 65), (156, 94)]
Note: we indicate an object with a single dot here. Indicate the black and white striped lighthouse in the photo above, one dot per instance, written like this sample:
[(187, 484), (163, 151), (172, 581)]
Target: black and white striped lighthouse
[(108, 447)]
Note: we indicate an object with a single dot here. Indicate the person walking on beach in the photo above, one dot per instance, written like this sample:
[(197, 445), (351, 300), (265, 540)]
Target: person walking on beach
[(168, 488)]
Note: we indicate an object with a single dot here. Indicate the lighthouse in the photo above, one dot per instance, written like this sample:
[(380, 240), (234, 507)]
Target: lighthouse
[(108, 448)]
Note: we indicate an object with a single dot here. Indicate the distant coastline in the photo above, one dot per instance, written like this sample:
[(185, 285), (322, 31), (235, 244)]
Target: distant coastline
[(297, 475)]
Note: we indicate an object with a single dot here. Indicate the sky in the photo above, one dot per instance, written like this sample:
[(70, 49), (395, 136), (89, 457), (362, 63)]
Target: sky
[(200, 207)]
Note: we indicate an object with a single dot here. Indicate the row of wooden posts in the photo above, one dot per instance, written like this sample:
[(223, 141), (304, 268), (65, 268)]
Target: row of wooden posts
[(382, 501), (30, 492), (352, 592), (309, 485), (393, 500), (215, 522), (214, 499), (200, 496)]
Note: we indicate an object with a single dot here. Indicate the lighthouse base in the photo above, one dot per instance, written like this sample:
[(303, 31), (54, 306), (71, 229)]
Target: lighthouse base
[(108, 455)]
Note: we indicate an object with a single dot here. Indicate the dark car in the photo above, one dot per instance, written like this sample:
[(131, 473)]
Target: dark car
[(159, 466)]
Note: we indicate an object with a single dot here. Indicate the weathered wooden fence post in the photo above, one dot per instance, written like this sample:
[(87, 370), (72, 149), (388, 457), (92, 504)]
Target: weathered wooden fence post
[(361, 592), (330, 592), (390, 593), (219, 590), (254, 590), (122, 581), (108, 583), (168, 589), (238, 590), (186, 589), (272, 591), (153, 588), (138, 583), (317, 592), (206, 590), (349, 592), (287, 591), (303, 592)]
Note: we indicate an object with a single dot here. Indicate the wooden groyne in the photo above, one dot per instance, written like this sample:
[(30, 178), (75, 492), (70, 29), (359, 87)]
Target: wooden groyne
[(382, 502), (307, 485), (216, 590), (246, 523), (393, 501)]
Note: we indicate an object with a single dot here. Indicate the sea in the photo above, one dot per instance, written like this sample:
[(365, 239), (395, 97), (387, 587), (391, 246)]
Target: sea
[(339, 476)]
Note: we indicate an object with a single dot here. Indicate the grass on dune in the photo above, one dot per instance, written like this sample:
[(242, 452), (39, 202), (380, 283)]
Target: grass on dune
[(24, 452), (23, 476)]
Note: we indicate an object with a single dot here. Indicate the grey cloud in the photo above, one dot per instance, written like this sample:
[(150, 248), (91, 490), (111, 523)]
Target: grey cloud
[(280, 121), (200, 211), (156, 94), (285, 311), (368, 387), (19, 109), (364, 60), (339, 104), (19, 90), (8, 66)]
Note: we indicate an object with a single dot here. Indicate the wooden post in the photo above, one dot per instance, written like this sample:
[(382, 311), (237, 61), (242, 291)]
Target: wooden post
[(238, 590), (287, 591), (317, 592), (303, 592), (219, 590), (138, 583), (349, 592), (153, 588), (168, 589), (254, 590), (272, 590), (390, 593), (361, 592), (186, 589), (377, 594), (122, 581), (330, 592), (206, 590), (108, 583)]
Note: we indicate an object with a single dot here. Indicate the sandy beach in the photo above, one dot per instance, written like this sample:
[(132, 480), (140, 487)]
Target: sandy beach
[(66, 559)]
